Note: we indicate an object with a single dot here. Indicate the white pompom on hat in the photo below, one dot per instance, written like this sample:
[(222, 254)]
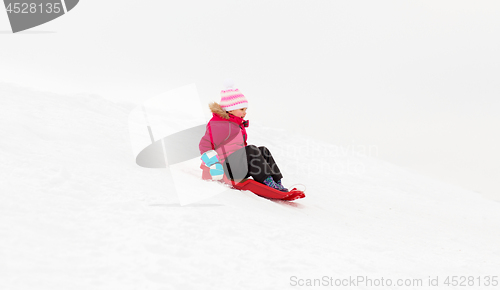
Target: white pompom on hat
[(232, 98)]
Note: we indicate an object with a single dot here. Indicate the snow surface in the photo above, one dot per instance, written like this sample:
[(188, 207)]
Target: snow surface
[(77, 213)]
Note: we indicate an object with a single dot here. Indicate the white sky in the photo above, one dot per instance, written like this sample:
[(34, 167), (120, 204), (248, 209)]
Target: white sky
[(416, 79)]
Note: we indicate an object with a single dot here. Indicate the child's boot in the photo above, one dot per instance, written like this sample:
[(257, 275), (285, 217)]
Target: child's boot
[(271, 183), (281, 186)]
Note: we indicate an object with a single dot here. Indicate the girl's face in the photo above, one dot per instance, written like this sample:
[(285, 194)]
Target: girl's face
[(239, 112)]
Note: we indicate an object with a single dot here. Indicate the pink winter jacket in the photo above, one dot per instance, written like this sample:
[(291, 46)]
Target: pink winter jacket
[(225, 133)]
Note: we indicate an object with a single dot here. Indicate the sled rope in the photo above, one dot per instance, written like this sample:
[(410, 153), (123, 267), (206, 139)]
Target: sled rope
[(297, 184)]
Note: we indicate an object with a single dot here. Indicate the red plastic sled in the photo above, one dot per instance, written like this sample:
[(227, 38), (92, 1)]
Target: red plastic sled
[(256, 187)]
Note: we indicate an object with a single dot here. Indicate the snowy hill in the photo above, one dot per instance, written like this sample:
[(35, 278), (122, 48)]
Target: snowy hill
[(77, 213)]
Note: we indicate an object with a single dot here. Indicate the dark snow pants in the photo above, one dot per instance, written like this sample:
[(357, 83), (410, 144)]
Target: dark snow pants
[(253, 161)]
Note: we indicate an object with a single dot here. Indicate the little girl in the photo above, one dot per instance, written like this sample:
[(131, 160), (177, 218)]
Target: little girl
[(224, 146)]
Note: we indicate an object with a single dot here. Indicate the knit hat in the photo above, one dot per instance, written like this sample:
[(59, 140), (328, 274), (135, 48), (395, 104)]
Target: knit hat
[(231, 98)]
